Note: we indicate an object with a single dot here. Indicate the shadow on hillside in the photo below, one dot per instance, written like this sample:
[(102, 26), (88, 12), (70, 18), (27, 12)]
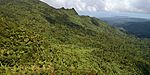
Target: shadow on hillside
[(143, 67)]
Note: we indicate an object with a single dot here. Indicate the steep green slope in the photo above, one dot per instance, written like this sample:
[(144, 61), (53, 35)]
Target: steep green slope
[(38, 39)]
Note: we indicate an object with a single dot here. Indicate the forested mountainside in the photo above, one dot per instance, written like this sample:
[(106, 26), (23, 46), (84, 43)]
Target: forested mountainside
[(139, 29), (135, 26), (38, 39)]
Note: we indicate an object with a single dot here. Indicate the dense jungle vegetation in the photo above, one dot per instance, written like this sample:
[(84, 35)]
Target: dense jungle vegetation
[(37, 39)]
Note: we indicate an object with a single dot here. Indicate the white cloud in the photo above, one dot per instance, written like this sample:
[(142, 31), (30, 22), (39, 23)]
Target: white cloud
[(79, 5), (142, 6)]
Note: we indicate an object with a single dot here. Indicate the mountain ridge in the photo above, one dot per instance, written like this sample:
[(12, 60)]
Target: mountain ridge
[(135, 26), (39, 39)]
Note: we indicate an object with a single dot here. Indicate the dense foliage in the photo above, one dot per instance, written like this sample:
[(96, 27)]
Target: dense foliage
[(38, 39)]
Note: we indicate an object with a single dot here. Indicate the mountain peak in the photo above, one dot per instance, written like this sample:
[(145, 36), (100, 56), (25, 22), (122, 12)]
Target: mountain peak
[(36, 39), (71, 10)]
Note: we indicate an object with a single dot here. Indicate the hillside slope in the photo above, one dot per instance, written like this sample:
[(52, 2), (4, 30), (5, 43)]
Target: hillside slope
[(140, 29), (135, 26), (38, 39)]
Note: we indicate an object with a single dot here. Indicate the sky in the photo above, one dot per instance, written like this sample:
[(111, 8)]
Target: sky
[(106, 8)]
